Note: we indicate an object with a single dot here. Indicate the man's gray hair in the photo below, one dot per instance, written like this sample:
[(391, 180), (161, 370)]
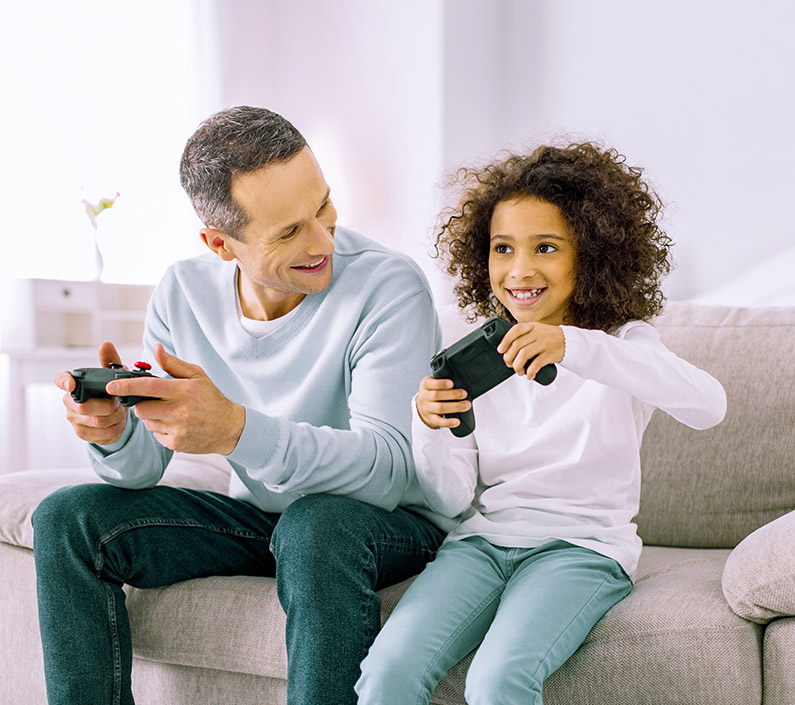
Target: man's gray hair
[(233, 141)]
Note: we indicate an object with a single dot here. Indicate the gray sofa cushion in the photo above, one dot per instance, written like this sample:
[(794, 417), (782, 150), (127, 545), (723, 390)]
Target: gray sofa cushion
[(712, 488), (759, 578)]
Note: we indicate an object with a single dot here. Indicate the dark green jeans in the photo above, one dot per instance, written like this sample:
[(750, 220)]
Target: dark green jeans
[(329, 555)]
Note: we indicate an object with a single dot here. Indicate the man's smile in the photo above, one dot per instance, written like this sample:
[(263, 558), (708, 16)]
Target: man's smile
[(313, 266)]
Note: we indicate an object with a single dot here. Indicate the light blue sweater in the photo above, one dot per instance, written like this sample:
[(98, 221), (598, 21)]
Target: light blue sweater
[(327, 394)]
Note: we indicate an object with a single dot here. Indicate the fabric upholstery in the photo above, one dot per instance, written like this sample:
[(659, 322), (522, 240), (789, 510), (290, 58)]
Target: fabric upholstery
[(712, 488), (759, 577), (21, 661), (779, 659)]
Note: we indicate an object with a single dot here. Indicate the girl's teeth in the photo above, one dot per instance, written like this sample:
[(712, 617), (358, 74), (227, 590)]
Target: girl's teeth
[(524, 294)]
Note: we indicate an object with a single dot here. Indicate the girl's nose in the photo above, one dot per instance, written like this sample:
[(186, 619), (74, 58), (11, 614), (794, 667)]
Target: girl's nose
[(523, 267)]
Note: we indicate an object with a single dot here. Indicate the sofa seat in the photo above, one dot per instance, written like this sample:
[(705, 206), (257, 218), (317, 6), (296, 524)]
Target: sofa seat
[(217, 636), (654, 632)]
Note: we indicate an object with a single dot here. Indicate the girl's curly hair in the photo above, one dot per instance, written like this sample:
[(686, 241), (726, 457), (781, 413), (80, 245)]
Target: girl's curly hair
[(622, 254)]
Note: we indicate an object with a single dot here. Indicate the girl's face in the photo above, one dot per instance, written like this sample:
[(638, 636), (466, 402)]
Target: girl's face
[(532, 260)]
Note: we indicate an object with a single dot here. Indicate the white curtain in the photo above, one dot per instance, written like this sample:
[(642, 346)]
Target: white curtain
[(99, 97)]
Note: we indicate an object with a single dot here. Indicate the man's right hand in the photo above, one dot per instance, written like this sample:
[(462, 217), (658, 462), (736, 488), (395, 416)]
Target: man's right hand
[(99, 421)]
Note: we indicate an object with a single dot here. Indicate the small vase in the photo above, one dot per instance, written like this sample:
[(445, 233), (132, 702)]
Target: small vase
[(99, 262)]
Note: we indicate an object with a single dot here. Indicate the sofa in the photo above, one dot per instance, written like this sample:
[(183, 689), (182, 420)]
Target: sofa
[(710, 621)]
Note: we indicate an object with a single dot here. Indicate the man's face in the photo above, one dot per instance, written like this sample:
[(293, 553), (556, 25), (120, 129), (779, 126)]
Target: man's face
[(285, 250)]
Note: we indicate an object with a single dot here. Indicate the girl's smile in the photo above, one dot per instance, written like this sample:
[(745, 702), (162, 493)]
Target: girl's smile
[(532, 260)]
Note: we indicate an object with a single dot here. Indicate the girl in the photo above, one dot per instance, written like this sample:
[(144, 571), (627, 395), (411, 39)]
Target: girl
[(565, 244)]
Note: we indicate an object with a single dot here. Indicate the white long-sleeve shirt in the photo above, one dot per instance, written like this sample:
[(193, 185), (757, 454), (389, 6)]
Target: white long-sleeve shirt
[(563, 461)]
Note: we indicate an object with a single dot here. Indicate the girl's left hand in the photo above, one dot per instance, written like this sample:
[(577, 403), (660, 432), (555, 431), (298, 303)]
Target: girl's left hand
[(526, 341)]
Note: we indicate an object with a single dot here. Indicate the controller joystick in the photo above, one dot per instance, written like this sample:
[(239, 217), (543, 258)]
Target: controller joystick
[(474, 364), (90, 382)]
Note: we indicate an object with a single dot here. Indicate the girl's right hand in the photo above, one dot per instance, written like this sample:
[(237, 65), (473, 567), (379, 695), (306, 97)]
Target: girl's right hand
[(436, 398)]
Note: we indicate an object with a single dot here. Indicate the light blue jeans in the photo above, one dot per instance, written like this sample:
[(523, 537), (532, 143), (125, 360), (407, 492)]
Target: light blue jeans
[(528, 609)]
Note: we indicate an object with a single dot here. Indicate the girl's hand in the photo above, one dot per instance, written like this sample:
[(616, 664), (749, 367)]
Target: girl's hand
[(526, 341), (437, 398)]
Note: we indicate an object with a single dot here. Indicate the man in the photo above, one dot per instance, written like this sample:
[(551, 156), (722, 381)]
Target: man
[(294, 350)]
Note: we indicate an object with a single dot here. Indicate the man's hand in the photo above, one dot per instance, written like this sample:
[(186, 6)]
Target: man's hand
[(436, 398), (525, 341), (99, 421), (189, 413)]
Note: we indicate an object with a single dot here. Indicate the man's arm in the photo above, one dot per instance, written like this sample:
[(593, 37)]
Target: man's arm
[(372, 461)]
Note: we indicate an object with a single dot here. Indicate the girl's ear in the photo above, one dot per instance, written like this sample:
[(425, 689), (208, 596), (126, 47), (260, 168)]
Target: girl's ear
[(217, 242)]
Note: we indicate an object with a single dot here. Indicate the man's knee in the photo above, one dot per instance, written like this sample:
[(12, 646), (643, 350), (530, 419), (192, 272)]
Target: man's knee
[(70, 520), (317, 527), (68, 505)]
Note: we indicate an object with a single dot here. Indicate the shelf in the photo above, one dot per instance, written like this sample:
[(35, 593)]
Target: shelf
[(50, 325), (57, 313)]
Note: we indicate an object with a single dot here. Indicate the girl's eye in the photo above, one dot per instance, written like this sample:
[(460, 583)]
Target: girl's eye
[(546, 248), (502, 249)]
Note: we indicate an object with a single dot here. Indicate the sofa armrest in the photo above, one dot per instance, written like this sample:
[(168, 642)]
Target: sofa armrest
[(759, 575), (21, 492)]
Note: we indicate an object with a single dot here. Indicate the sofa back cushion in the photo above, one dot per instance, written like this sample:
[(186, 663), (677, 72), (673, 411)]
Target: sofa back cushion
[(712, 488)]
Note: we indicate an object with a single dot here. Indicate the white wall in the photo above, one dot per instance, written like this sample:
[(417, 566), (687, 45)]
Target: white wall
[(698, 93), (392, 96)]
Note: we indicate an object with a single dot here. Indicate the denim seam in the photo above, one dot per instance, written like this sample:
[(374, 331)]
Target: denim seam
[(456, 632), (115, 645), (405, 546), (149, 523)]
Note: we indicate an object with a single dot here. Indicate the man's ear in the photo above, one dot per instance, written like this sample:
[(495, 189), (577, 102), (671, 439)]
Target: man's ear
[(217, 242)]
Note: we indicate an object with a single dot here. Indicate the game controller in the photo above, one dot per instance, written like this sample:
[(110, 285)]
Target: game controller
[(474, 364), (90, 381)]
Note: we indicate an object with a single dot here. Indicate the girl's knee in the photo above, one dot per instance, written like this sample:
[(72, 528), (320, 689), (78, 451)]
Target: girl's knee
[(389, 676), (492, 681)]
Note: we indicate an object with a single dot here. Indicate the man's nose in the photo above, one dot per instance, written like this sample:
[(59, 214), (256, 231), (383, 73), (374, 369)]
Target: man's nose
[(322, 240)]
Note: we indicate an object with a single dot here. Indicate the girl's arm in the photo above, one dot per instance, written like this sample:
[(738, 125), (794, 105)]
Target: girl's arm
[(636, 361), (446, 467)]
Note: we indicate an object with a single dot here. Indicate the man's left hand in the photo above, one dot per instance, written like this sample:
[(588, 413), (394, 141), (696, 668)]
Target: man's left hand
[(189, 414)]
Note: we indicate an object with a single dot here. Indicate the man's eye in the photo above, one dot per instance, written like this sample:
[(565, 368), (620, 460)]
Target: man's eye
[(290, 233)]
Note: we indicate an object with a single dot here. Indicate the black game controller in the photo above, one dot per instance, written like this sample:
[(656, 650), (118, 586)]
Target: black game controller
[(90, 381), (474, 364)]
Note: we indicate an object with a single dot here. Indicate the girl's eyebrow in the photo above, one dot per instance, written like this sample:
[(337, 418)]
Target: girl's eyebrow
[(542, 236)]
